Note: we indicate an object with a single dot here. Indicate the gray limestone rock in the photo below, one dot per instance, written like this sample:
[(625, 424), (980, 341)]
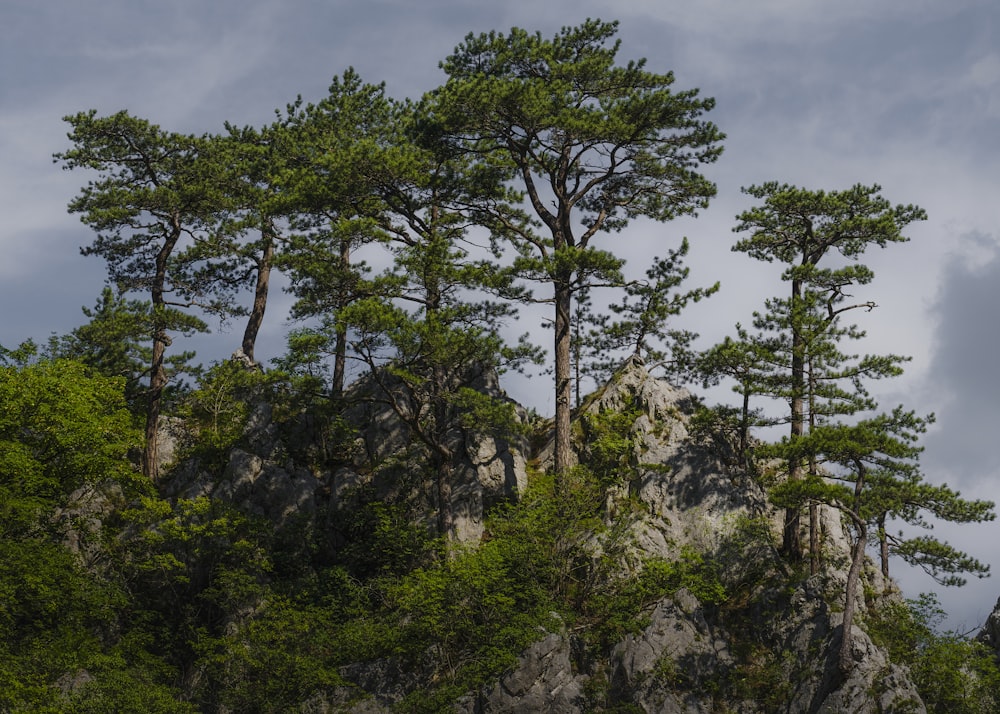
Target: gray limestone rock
[(542, 681), (678, 654), (990, 634), (81, 519), (488, 469), (683, 660), (684, 495)]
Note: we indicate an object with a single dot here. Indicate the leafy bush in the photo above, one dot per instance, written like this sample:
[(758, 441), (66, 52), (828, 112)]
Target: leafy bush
[(60, 428), (623, 607), (952, 673)]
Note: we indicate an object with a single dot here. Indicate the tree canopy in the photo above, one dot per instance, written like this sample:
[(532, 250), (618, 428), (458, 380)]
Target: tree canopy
[(589, 143)]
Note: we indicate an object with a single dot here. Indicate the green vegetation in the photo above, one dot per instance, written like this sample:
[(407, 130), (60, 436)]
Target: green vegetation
[(590, 145), (123, 587), (952, 673)]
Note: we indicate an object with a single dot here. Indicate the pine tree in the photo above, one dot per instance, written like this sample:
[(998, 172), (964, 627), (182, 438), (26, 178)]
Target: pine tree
[(644, 323), (430, 338), (590, 143), (870, 470), (115, 342), (154, 193), (336, 149), (747, 361), (800, 228)]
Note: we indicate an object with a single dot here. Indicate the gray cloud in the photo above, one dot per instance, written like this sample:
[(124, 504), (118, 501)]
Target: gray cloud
[(964, 372)]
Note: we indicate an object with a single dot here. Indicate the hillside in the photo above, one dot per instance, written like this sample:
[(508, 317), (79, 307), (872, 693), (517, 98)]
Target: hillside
[(292, 563)]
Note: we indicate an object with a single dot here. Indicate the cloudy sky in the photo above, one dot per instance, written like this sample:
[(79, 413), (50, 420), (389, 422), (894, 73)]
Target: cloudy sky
[(823, 94)]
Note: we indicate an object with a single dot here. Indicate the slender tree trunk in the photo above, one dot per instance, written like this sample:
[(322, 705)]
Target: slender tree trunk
[(446, 512), (256, 319), (791, 544), (846, 661), (157, 372), (745, 425), (340, 346), (576, 349), (814, 559), (157, 382), (563, 301), (883, 546), (814, 549), (439, 385)]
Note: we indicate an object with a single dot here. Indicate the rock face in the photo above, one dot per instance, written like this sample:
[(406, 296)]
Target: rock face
[(990, 634), (262, 478), (696, 498), (544, 681), (697, 658), (774, 634)]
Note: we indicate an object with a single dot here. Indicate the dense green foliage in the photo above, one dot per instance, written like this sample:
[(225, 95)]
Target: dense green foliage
[(63, 431), (189, 605), (589, 144), (60, 428), (952, 673)]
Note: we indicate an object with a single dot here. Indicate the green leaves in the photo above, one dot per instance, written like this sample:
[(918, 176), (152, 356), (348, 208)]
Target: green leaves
[(612, 141), (952, 673), (796, 225), (150, 187), (60, 427), (644, 323)]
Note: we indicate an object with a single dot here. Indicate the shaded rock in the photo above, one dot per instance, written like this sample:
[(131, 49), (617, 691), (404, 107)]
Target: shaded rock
[(681, 495), (685, 661), (694, 497), (387, 680), (488, 468), (990, 634), (669, 665), (542, 681), (80, 521)]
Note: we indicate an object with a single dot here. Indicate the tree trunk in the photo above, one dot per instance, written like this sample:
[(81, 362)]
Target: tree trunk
[(446, 513), (814, 552), (157, 373), (883, 546), (814, 557), (157, 381), (791, 544), (563, 450), (340, 346), (260, 295), (845, 660), (745, 431)]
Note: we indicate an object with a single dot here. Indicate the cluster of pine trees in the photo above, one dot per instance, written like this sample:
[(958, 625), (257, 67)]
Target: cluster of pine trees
[(410, 231)]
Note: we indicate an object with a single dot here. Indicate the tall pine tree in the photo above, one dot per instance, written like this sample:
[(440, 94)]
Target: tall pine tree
[(800, 228), (591, 143), (154, 194)]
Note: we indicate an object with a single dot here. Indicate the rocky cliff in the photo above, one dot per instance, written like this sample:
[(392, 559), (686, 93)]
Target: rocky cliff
[(769, 646), (697, 658)]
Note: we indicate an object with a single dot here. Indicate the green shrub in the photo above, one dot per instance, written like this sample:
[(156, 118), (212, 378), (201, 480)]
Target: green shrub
[(622, 608), (951, 672)]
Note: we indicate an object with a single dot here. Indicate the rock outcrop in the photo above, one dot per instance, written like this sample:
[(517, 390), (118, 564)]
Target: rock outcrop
[(262, 477), (990, 634), (775, 632), (773, 635)]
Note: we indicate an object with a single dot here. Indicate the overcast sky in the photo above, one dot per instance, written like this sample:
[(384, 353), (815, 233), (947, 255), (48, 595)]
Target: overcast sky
[(822, 94)]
